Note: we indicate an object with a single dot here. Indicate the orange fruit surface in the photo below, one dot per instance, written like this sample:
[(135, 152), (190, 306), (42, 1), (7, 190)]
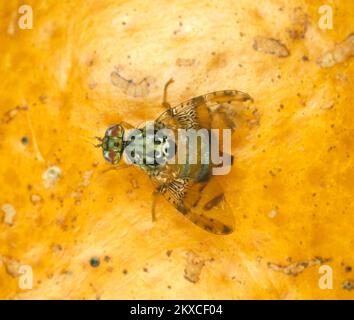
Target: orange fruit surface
[(88, 234)]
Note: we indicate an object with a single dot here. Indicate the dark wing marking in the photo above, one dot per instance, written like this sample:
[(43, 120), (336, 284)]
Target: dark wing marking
[(203, 203), (197, 113)]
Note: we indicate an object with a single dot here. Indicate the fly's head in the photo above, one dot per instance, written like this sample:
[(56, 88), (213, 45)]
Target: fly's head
[(113, 144)]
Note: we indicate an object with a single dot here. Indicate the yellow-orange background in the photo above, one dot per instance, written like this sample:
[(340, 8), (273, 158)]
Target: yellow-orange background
[(291, 188)]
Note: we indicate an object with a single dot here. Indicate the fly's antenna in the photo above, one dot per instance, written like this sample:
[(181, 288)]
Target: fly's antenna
[(99, 145)]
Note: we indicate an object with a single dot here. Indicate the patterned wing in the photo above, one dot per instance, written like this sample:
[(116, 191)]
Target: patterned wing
[(203, 203), (199, 112)]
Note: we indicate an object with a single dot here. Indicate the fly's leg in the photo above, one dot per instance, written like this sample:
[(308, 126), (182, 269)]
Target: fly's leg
[(220, 105), (164, 101), (155, 194), (248, 115), (228, 116)]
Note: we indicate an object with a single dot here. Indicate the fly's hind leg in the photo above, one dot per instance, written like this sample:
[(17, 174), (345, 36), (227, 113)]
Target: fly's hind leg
[(221, 106), (164, 100), (227, 114)]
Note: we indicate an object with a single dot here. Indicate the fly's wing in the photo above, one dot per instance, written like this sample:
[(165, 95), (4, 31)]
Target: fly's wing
[(202, 111), (203, 203)]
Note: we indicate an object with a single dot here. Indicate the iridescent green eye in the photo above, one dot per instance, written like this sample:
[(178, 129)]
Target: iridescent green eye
[(112, 144)]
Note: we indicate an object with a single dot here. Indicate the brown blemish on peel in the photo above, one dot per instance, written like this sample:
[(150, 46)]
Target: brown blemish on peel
[(131, 88), (348, 285), (184, 62), (340, 53), (270, 46), (299, 24), (293, 269), (193, 267)]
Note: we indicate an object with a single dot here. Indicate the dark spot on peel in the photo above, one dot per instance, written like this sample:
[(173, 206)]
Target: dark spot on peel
[(95, 262), (348, 285), (24, 140)]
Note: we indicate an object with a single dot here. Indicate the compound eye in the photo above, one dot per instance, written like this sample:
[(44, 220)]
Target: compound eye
[(106, 155), (115, 131), (109, 156)]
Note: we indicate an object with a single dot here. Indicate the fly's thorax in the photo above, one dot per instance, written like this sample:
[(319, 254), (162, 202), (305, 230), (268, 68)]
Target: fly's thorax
[(155, 146), (149, 147)]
